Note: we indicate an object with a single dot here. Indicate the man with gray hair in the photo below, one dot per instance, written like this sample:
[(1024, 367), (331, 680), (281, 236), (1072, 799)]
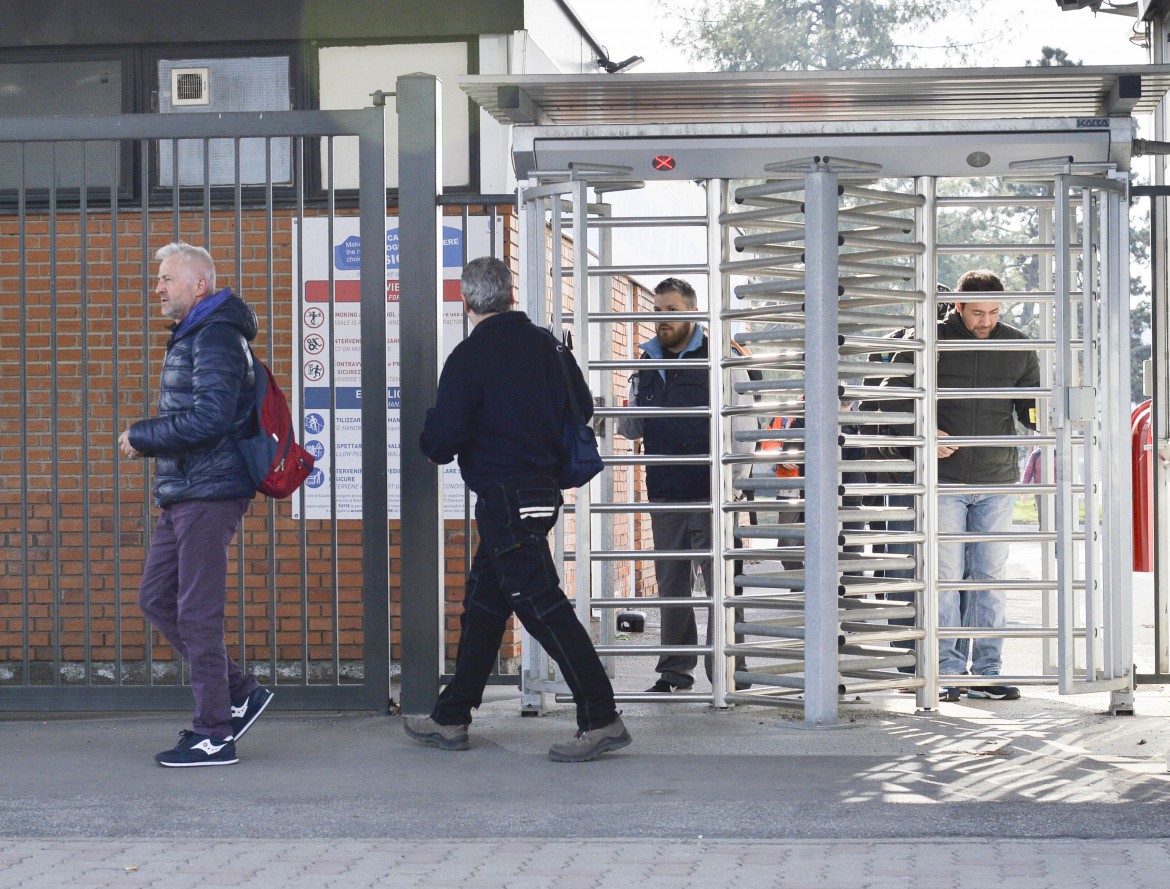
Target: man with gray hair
[(502, 400), (202, 485)]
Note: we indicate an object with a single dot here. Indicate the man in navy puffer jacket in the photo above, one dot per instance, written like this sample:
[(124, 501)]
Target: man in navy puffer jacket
[(206, 402)]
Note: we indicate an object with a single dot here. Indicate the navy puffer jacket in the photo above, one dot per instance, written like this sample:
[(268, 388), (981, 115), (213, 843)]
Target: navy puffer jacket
[(206, 401)]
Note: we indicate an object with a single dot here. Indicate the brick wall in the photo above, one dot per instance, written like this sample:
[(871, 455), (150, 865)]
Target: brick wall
[(75, 370)]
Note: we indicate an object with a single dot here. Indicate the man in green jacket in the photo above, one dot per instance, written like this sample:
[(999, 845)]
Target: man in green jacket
[(983, 366)]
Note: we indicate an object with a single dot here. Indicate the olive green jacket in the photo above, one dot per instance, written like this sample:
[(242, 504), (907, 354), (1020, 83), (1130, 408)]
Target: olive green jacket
[(987, 367)]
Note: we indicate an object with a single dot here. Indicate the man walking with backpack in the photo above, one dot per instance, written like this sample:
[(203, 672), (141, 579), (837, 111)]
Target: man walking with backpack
[(203, 486), (500, 409)]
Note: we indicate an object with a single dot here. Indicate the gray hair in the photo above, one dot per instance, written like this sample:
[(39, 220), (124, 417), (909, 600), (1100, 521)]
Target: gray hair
[(487, 286), (195, 259)]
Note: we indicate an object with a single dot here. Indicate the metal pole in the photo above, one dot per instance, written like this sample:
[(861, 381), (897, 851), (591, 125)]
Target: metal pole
[(420, 280), (928, 455), (375, 539), (1065, 556), (583, 521), (719, 443), (1118, 592), (822, 455)]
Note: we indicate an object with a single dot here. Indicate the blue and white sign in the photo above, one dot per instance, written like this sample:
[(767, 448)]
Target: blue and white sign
[(327, 385)]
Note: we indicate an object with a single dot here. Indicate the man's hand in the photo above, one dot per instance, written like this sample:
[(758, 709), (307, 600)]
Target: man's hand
[(945, 451), (126, 448)]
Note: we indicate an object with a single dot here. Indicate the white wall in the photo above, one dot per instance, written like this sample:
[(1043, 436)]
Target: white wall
[(349, 74)]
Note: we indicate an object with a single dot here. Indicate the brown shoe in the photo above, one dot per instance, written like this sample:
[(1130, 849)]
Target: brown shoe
[(445, 737), (586, 746)]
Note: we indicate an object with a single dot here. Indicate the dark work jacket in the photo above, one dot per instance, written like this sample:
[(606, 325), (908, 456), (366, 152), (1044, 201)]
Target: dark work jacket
[(502, 402), (987, 367), (687, 387), (206, 400)]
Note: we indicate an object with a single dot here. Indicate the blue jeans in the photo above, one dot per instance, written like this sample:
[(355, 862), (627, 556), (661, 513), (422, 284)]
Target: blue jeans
[(990, 513), (513, 572)]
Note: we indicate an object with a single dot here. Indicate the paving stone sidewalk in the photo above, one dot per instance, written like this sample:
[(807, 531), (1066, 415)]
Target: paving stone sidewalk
[(583, 864)]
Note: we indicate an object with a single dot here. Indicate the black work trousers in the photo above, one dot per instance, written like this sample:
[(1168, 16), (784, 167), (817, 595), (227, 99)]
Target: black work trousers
[(513, 572)]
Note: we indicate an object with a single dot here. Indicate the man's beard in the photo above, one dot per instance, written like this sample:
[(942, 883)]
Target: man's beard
[(675, 339)]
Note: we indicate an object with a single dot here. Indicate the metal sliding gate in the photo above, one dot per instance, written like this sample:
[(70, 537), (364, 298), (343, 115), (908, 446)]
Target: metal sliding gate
[(94, 197), (826, 578)]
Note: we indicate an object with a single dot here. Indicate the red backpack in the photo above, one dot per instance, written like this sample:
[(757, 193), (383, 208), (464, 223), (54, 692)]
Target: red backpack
[(277, 464)]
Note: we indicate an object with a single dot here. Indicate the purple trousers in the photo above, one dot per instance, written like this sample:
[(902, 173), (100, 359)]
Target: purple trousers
[(183, 594)]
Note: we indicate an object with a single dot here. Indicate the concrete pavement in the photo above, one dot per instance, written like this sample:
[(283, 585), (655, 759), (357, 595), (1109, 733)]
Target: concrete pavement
[(1044, 791)]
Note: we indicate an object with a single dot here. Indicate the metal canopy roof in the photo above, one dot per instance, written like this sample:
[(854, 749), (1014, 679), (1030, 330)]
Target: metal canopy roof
[(778, 97)]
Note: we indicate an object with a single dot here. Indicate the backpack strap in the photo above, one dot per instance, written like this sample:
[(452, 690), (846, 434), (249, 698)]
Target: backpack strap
[(260, 372), (562, 357)]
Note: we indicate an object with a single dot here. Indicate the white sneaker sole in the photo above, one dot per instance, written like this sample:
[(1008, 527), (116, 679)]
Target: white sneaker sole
[(248, 724)]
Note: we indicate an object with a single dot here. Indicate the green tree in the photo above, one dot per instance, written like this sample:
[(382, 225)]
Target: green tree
[(1053, 57), (1140, 313), (796, 35)]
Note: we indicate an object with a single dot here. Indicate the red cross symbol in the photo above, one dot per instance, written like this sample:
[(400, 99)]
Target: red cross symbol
[(663, 162)]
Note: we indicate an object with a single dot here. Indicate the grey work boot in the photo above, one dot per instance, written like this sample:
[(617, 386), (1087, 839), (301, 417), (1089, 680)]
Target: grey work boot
[(590, 745), (445, 737)]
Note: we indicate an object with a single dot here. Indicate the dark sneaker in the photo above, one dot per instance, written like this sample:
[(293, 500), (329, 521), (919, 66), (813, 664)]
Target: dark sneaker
[(445, 737), (246, 711), (586, 746), (194, 749), (665, 687), (950, 694), (993, 692)]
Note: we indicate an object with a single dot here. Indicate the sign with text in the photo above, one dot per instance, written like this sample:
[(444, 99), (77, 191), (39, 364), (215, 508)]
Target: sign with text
[(327, 374)]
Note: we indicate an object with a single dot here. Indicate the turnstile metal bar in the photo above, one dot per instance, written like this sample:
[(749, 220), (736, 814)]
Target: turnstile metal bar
[(610, 271), (635, 602), (657, 460), (648, 364), (601, 222), (638, 317), (958, 394), (653, 651), (1010, 584), (639, 506), (1002, 345), (991, 200), (642, 555)]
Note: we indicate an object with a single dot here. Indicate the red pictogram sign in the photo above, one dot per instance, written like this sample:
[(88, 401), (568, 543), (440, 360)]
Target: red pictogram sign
[(663, 162)]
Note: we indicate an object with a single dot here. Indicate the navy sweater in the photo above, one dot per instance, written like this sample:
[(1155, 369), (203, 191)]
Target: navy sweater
[(502, 402)]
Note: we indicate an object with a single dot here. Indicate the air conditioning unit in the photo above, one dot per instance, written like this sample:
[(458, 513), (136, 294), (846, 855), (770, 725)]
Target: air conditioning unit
[(190, 86)]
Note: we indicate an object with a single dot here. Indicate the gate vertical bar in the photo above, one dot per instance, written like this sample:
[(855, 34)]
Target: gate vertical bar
[(821, 411), (926, 457), (583, 517), (25, 413), (375, 536), (1045, 516), (1065, 557), (719, 444), (605, 577), (1118, 519), (533, 296), (420, 280), (1091, 379)]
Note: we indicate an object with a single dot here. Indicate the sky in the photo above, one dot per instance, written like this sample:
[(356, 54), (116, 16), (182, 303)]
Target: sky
[(1015, 31)]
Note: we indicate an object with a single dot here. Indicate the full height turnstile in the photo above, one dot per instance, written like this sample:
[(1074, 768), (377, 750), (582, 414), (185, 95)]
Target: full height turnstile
[(812, 269)]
